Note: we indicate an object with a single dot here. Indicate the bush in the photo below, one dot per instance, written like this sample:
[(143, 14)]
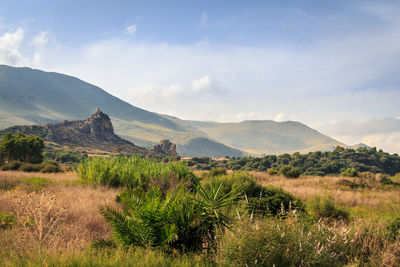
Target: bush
[(12, 166), (273, 201), (259, 200), (178, 220), (290, 172), (50, 167), (349, 172), (217, 172), (28, 167), (324, 207), (272, 172)]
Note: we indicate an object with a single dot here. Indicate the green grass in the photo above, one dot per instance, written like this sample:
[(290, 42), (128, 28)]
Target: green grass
[(109, 257), (132, 172)]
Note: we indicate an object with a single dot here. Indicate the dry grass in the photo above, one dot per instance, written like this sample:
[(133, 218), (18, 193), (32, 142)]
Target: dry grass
[(69, 176), (375, 200), (60, 216)]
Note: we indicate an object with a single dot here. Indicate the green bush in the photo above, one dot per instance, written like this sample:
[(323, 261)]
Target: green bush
[(12, 166), (273, 201), (178, 220), (324, 207), (290, 172), (259, 200), (272, 172), (50, 167), (349, 172), (29, 167), (217, 172)]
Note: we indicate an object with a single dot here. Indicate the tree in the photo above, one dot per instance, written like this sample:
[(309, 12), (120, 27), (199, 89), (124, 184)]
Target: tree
[(21, 147)]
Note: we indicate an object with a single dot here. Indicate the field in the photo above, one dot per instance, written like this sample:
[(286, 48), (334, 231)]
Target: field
[(53, 219)]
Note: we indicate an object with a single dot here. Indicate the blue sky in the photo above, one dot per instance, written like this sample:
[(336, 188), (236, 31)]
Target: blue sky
[(334, 65)]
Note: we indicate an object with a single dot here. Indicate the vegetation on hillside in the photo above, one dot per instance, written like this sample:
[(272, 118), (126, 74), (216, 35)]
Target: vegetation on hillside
[(340, 161)]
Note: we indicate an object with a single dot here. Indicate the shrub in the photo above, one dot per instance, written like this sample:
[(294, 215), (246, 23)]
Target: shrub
[(217, 172), (349, 172), (260, 200), (272, 172), (324, 207), (177, 221), (29, 167), (290, 172), (50, 167), (12, 166), (273, 201)]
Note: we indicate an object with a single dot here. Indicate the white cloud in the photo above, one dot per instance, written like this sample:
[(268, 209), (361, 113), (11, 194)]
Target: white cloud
[(39, 42), (202, 83), (131, 29), (281, 117), (10, 48), (41, 39)]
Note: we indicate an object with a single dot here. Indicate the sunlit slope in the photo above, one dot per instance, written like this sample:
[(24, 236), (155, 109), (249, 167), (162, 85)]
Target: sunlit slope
[(269, 137)]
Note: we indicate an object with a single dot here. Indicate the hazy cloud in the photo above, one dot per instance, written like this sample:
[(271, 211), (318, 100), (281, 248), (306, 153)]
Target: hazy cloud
[(204, 19), (131, 29), (202, 83), (281, 117)]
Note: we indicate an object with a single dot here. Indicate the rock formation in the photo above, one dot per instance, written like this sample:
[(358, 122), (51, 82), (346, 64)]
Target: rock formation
[(96, 132)]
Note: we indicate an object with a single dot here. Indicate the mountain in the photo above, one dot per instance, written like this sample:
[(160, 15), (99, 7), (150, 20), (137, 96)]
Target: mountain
[(29, 96), (258, 137)]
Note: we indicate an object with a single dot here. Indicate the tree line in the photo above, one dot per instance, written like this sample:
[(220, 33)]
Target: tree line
[(335, 162)]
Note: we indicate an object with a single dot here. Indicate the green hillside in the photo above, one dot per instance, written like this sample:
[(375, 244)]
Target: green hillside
[(29, 96)]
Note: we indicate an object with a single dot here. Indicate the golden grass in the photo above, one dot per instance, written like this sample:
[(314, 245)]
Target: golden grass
[(376, 200), (59, 217), (69, 176)]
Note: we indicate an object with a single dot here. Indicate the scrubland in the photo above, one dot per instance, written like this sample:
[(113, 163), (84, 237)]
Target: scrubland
[(54, 220)]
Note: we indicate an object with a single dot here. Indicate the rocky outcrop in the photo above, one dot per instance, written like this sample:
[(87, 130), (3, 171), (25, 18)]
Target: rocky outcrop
[(96, 132), (165, 147)]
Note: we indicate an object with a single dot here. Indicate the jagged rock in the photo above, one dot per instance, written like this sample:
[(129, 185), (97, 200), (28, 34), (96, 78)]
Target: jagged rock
[(96, 132), (165, 147)]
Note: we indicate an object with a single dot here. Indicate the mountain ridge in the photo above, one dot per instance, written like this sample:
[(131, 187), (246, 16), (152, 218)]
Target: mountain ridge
[(29, 96)]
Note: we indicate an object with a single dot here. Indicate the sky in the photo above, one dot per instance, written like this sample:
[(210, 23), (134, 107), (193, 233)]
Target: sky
[(333, 65)]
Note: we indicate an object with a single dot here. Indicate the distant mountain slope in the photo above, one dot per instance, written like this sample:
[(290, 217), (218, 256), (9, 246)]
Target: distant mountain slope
[(29, 96), (270, 137)]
